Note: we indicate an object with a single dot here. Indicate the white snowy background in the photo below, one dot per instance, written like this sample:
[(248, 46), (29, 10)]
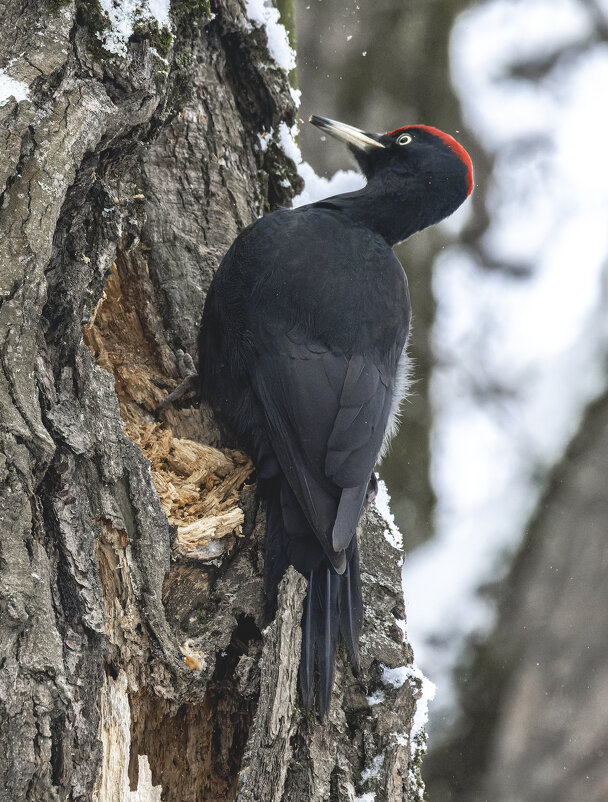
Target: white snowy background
[(518, 357)]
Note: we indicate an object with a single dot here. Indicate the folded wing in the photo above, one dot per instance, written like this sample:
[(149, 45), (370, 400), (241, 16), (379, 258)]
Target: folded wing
[(326, 414)]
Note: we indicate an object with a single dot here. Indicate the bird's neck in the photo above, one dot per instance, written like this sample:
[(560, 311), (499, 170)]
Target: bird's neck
[(391, 212)]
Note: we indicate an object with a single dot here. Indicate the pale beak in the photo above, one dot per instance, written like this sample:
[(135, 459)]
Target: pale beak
[(355, 137)]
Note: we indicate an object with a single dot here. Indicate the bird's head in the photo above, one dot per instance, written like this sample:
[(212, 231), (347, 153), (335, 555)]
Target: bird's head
[(420, 161)]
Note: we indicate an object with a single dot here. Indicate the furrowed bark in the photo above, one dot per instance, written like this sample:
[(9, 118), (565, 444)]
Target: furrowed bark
[(135, 646)]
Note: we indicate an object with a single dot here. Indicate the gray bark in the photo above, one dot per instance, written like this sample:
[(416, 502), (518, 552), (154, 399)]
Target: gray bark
[(133, 628)]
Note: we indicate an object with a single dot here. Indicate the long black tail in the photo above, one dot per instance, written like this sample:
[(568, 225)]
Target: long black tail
[(333, 607), (333, 604)]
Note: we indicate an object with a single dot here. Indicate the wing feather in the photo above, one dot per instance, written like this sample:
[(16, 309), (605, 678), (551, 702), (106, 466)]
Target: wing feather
[(326, 415)]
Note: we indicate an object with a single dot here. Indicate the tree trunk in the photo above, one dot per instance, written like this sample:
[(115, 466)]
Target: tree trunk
[(535, 715), (138, 659)]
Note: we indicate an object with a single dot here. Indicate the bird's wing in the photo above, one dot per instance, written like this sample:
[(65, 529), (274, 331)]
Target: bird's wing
[(326, 415)]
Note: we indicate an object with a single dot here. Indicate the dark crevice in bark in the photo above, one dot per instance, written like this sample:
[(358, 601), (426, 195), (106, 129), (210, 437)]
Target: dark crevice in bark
[(126, 633), (254, 102), (217, 728), (58, 731)]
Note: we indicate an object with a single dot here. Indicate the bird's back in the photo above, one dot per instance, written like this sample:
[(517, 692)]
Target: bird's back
[(303, 330), (338, 278)]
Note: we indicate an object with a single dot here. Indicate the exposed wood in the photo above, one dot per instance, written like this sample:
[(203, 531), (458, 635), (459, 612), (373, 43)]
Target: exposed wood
[(131, 558), (112, 783)]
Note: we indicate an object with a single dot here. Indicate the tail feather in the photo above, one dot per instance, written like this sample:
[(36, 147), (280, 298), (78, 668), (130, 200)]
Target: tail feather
[(328, 632), (351, 610), (276, 560), (333, 607)]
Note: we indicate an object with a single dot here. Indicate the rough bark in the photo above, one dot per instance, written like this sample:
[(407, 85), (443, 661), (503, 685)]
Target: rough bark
[(133, 625)]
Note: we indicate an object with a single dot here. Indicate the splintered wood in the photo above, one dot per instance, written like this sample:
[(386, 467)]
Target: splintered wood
[(112, 784), (197, 484), (198, 488)]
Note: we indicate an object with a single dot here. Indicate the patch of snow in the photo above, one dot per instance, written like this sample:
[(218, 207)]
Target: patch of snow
[(427, 694), (376, 698), (315, 187), (374, 769), (397, 677), (296, 96), (265, 15), (287, 140), (382, 504), (10, 87), (264, 138), (159, 9), (123, 16), (370, 796), (155, 52)]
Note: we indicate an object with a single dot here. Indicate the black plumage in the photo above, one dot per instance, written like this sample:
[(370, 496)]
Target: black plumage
[(302, 353)]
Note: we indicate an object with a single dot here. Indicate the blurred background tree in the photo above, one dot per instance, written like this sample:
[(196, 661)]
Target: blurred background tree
[(509, 348)]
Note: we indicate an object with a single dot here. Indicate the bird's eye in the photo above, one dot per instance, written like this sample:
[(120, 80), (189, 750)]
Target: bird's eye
[(404, 139)]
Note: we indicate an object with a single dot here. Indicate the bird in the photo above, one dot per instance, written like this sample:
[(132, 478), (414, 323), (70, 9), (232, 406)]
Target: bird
[(302, 355)]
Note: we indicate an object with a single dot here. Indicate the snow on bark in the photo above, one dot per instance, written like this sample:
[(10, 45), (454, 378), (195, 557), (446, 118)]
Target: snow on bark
[(123, 181)]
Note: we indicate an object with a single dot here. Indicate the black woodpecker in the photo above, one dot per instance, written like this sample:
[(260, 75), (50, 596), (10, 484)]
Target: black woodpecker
[(302, 355)]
